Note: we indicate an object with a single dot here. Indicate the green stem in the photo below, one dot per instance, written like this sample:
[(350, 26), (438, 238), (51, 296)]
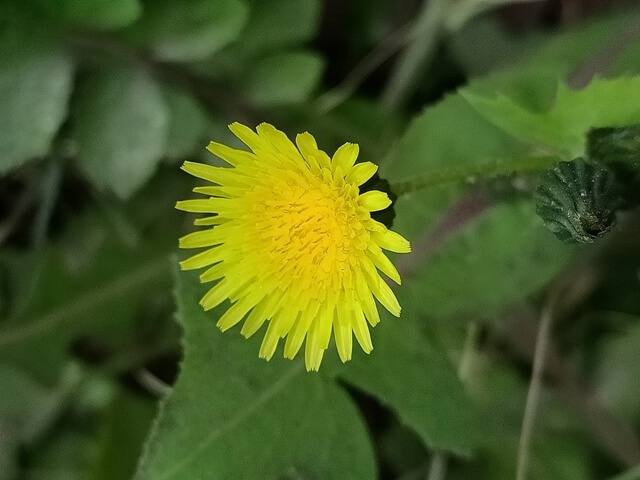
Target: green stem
[(473, 173), (438, 467), (427, 31), (535, 389)]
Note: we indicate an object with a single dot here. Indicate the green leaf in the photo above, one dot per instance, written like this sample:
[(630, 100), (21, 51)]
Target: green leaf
[(122, 435), (34, 91), (191, 30), (449, 134), (436, 406), (93, 13), (499, 258), (232, 415), (282, 79), (188, 125), (603, 103), (120, 125), (277, 24), (492, 260)]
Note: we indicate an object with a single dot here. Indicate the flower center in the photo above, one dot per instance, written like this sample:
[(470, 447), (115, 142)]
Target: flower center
[(308, 229)]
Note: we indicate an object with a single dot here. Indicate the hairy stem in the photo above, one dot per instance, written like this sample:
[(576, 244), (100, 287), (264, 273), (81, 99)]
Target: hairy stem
[(473, 173)]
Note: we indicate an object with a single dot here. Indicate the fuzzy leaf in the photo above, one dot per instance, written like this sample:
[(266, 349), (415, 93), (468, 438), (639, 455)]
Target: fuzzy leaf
[(232, 415), (602, 103), (435, 406)]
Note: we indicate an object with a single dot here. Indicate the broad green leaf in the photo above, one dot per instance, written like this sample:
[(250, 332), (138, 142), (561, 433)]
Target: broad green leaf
[(435, 405), (282, 79), (120, 125), (188, 125), (93, 13), (188, 30), (499, 258), (276, 24), (603, 103), (34, 91), (232, 415)]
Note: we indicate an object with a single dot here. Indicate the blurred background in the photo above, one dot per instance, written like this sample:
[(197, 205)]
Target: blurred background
[(101, 101)]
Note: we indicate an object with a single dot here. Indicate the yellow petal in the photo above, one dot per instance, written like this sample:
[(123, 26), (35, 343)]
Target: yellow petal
[(202, 259), (361, 331), (392, 241), (250, 138), (345, 157), (361, 172), (232, 156), (383, 263), (375, 200), (344, 341)]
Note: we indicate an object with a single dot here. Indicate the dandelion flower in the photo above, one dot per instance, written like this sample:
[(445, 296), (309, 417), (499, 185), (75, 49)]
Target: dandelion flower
[(292, 243)]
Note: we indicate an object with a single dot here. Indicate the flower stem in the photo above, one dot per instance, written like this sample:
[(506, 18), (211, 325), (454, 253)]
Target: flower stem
[(473, 173)]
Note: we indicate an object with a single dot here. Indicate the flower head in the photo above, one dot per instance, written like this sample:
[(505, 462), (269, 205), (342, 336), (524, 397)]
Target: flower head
[(292, 242)]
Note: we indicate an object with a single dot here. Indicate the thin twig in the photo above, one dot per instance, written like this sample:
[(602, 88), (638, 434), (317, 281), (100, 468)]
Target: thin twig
[(50, 188), (428, 28), (152, 384), (438, 467), (476, 172), (385, 50), (535, 387)]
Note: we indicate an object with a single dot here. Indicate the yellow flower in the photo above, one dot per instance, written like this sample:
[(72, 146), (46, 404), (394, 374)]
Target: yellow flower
[(292, 242)]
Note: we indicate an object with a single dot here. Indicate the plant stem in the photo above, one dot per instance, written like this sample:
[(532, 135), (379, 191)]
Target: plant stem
[(535, 387), (340, 93), (427, 31), (49, 194), (438, 467), (472, 173)]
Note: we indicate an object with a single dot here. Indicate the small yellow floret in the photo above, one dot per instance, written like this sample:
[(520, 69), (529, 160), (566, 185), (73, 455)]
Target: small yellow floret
[(292, 243)]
